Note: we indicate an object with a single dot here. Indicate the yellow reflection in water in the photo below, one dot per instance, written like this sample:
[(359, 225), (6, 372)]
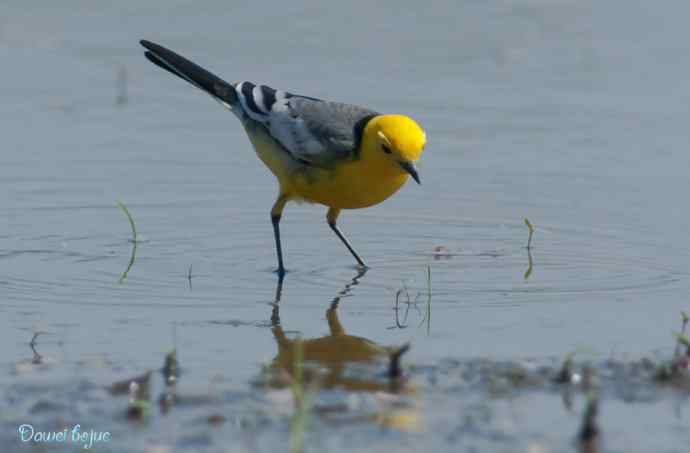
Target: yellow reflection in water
[(328, 358)]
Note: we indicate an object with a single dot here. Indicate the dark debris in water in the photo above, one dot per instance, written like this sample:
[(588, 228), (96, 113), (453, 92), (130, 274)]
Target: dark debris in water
[(216, 419), (464, 405), (141, 383), (360, 389), (630, 380), (170, 367), (588, 437)]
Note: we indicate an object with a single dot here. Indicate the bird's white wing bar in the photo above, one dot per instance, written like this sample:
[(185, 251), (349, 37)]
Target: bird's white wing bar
[(273, 109)]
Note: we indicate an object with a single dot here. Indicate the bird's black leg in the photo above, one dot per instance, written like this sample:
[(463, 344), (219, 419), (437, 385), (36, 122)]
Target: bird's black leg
[(275, 313), (276, 213), (331, 217)]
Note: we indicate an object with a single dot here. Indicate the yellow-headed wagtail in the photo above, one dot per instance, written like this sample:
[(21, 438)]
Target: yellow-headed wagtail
[(339, 155)]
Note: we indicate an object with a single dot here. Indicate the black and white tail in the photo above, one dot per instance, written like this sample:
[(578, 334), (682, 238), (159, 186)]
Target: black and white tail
[(257, 102), (218, 88)]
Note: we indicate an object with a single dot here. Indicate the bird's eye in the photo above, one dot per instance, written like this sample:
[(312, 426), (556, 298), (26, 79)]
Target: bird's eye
[(386, 149)]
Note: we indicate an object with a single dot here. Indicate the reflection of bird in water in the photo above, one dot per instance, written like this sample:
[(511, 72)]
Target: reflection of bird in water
[(333, 353)]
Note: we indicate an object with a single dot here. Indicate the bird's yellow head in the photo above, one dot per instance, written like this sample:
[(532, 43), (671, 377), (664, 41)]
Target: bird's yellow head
[(397, 140)]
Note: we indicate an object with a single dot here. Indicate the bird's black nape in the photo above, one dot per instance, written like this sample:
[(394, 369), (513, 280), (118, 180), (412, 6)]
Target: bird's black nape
[(359, 130), (191, 72)]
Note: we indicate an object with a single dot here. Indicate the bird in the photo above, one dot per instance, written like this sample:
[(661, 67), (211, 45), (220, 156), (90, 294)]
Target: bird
[(339, 155)]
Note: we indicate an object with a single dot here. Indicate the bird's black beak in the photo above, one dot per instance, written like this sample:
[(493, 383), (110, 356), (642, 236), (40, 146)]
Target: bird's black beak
[(411, 169)]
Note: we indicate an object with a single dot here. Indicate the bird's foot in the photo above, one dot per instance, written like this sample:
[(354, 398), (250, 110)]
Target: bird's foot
[(281, 272)]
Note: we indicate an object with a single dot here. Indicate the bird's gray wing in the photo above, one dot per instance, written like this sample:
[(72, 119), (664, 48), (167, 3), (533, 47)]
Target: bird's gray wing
[(335, 126), (314, 131)]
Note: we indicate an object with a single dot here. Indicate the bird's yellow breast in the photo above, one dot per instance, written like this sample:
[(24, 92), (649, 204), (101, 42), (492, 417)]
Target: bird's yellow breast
[(350, 184)]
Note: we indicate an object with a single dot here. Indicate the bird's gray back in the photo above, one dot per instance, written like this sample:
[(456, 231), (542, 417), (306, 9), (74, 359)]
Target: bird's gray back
[(314, 131)]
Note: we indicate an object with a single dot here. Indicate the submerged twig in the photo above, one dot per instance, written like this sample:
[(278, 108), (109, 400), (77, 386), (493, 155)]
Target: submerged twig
[(170, 374), (565, 375), (122, 96), (531, 229), (428, 300), (130, 218), (37, 358), (132, 258), (528, 272), (683, 328), (398, 324), (427, 315), (135, 240), (682, 341), (170, 367), (409, 303), (676, 369), (588, 437)]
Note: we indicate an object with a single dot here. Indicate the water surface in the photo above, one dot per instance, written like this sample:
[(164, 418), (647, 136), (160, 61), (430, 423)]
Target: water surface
[(570, 113)]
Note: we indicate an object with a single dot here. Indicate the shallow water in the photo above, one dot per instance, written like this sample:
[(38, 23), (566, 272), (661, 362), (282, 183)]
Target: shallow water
[(569, 113)]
